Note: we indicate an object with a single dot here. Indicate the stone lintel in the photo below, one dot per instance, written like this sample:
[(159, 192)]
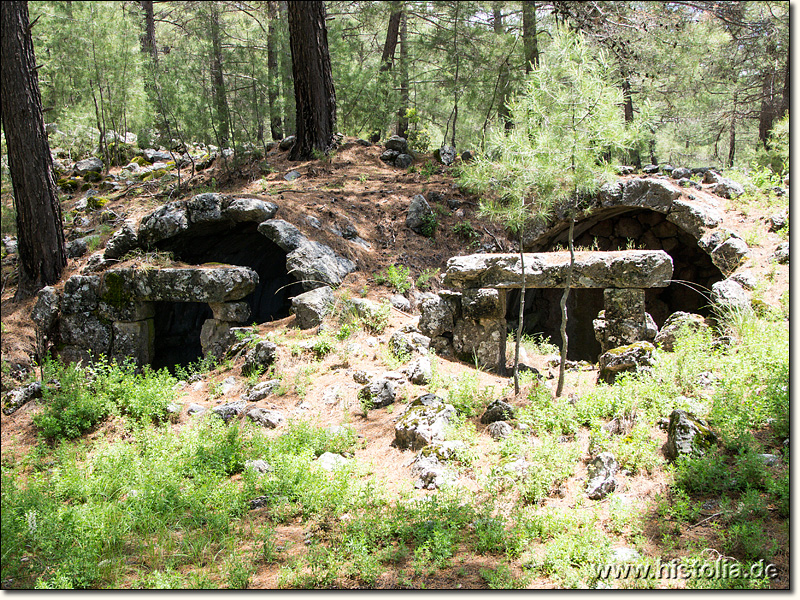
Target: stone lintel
[(619, 269), (224, 283)]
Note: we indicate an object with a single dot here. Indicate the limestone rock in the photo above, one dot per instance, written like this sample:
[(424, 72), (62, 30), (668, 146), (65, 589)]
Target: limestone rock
[(133, 340), (403, 161), (484, 340), (680, 173), (729, 254), (389, 156), (261, 390), (437, 316), (430, 473), (499, 430), (242, 210), (675, 323), (400, 303), (497, 411), (285, 235), (618, 269), (196, 409), (446, 155), (259, 466), (728, 294), (287, 142), (20, 396), (166, 222), (266, 418), (216, 337), (123, 241), (86, 331), (781, 254), (232, 312), (687, 434), (484, 303), (332, 462), (151, 155), (632, 358), (45, 311), (423, 422), (316, 265), (311, 307), (227, 411), (601, 476), (89, 165), (443, 451), (419, 215), (378, 393), (420, 371), (400, 144), (654, 194), (778, 221), (711, 177), (260, 357), (402, 343), (81, 294), (727, 188), (693, 217)]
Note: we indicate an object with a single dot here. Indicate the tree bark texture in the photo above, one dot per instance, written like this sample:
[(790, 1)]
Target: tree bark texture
[(218, 78), (315, 98), (390, 45), (275, 121), (402, 119), (40, 234), (529, 35), (503, 76), (148, 36)]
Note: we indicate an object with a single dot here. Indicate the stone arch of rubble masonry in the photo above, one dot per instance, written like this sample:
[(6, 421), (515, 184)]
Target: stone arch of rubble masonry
[(618, 228)]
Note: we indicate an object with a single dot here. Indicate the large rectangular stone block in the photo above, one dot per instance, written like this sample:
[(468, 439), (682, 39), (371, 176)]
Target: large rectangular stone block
[(133, 340), (618, 269)]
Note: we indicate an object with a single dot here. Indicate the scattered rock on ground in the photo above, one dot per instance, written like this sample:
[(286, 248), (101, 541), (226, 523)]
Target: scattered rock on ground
[(261, 390), (311, 307), (497, 411), (631, 358), (232, 409), (601, 476), (499, 430), (781, 254), (687, 434), (378, 393), (260, 357), (331, 462), (677, 322), (423, 422), (267, 418), (16, 398)]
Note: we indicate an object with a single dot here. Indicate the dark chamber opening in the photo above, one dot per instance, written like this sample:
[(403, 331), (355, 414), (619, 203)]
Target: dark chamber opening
[(240, 245), (177, 333), (693, 275)]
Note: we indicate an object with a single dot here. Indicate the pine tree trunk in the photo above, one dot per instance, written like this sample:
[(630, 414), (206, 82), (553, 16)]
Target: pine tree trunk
[(275, 121), (315, 98), (148, 36), (392, 31), (218, 78), (766, 114), (784, 107), (529, 35), (40, 235), (502, 78), (402, 119)]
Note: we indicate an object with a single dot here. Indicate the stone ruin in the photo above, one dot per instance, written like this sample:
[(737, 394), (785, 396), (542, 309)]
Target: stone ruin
[(656, 249), (471, 324), (243, 266)]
